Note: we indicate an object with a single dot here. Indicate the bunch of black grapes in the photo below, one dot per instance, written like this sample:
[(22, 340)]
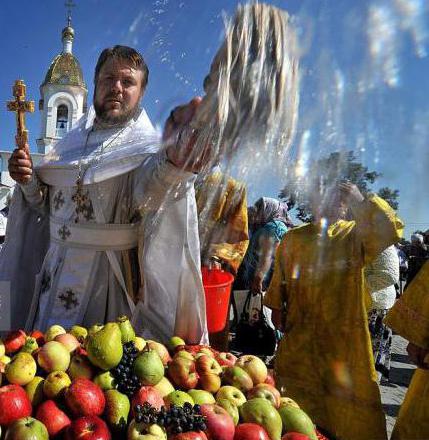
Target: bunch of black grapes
[(128, 383)]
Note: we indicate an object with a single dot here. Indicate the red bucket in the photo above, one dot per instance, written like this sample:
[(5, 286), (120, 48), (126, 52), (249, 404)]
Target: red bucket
[(217, 287)]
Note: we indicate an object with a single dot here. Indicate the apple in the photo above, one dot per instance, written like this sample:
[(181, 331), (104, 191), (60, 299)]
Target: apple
[(88, 428), (105, 381), (80, 367), (68, 340), (14, 341), (27, 428), (233, 394), (184, 354), (178, 398), (220, 425), (148, 367), (174, 342), (270, 380), (261, 411), (206, 350), (30, 345), (5, 360), (85, 398), (14, 404), (34, 390), (52, 417), (200, 397), (164, 387), (80, 333), (210, 382), (183, 373), (192, 435), (161, 350), (149, 395), (142, 431), (267, 392), (238, 378), (38, 336), (2, 349), (285, 401), (250, 431), (295, 436), (296, 420), (139, 343), (54, 330), (230, 408), (207, 364), (55, 384), (227, 359), (21, 370), (53, 356), (254, 367)]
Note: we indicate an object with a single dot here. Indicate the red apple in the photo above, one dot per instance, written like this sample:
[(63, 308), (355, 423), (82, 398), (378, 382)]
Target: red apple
[(270, 380), (68, 340), (88, 428), (207, 364), (210, 382), (147, 394), (85, 398), (14, 404), (193, 435), (266, 392), (250, 431), (38, 336), (52, 417), (220, 425), (295, 436), (14, 341), (183, 372), (161, 350), (227, 359)]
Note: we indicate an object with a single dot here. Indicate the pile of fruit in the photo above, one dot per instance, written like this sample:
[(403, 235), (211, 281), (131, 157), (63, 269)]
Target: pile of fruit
[(107, 383)]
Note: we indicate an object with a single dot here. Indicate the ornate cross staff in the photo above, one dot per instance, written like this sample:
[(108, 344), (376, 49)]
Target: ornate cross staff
[(20, 106)]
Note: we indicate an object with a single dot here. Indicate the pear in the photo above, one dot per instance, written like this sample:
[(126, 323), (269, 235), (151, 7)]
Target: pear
[(34, 390), (94, 328), (127, 332), (117, 409), (262, 412), (80, 333), (21, 370), (105, 381), (104, 347), (148, 367), (30, 345), (140, 343), (296, 420)]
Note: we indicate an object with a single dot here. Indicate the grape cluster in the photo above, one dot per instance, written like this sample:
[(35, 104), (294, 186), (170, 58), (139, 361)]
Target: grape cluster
[(175, 420), (128, 383)]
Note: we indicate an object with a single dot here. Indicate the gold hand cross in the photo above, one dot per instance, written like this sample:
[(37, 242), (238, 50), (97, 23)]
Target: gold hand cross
[(20, 106)]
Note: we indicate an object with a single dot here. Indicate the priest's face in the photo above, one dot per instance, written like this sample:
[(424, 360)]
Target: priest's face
[(118, 92)]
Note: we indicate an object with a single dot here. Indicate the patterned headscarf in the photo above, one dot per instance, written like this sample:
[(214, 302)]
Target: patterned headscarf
[(269, 209)]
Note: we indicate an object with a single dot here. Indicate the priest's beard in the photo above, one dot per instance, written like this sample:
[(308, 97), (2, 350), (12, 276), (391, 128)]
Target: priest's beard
[(106, 119)]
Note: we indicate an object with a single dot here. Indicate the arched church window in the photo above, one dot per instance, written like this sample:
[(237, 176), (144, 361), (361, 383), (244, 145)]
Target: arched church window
[(62, 120)]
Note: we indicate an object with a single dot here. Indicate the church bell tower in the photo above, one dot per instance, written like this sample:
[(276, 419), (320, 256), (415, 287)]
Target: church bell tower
[(63, 93)]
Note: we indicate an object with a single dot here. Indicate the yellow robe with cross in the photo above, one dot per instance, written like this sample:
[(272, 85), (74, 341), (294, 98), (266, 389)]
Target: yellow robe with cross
[(325, 359), (222, 217), (410, 318)]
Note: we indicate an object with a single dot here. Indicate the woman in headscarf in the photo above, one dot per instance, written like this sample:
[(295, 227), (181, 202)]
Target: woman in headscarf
[(268, 222)]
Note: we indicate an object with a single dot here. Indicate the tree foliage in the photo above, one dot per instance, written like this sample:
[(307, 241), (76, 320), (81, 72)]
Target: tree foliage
[(335, 167)]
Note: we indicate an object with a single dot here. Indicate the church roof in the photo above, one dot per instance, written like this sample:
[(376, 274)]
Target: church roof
[(65, 69)]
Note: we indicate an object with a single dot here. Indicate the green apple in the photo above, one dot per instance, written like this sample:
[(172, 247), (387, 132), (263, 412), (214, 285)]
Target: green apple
[(5, 359), (141, 431), (80, 367), (254, 367), (105, 381), (164, 387), (178, 398), (200, 397), (139, 343), (80, 333), (27, 428), (54, 330), (53, 356), (233, 394), (261, 411), (148, 367), (296, 420), (238, 378), (184, 354), (30, 345), (55, 384), (230, 408), (175, 341), (21, 370), (2, 349), (34, 391), (117, 409)]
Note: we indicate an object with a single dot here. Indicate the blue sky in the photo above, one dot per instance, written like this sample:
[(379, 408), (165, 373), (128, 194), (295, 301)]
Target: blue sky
[(364, 73)]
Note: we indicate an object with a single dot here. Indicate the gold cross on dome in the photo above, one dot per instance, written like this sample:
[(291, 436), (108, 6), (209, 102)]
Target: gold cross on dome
[(20, 106)]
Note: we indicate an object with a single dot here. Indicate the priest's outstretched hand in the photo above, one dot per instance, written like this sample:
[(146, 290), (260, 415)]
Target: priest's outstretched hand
[(179, 138), (21, 165)]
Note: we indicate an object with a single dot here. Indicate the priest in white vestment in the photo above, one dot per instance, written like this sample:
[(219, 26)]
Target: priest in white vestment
[(107, 224)]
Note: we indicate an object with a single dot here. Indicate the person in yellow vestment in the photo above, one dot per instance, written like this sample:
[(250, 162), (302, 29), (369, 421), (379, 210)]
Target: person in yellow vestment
[(325, 359), (223, 229), (409, 317)]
